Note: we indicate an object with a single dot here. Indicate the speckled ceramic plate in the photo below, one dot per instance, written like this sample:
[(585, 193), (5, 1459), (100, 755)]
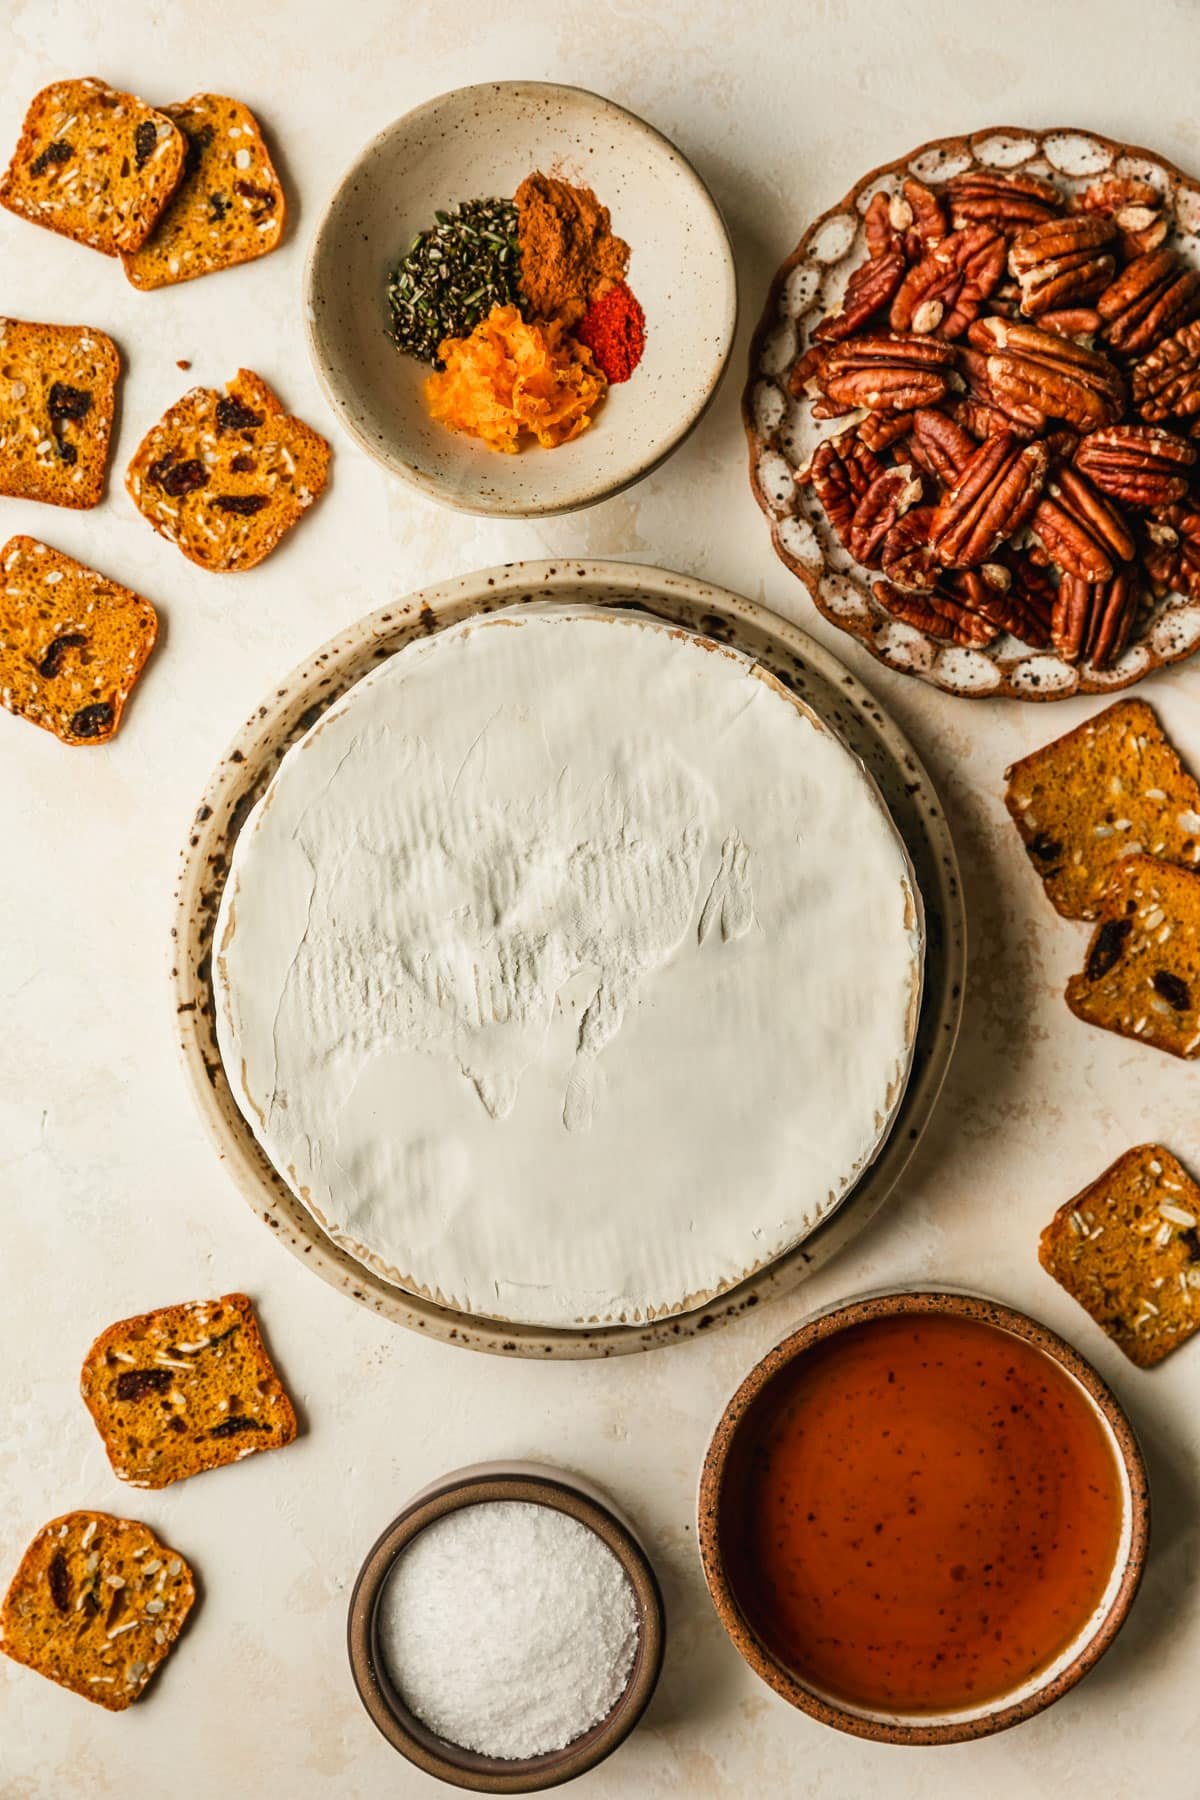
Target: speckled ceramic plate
[(483, 141), (296, 704), (783, 434)]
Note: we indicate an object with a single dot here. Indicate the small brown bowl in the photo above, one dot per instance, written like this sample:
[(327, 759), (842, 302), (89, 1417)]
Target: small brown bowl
[(1040, 1690), (461, 1768)]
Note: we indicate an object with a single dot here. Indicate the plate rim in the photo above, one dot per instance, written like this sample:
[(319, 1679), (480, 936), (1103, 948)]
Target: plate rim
[(294, 705)]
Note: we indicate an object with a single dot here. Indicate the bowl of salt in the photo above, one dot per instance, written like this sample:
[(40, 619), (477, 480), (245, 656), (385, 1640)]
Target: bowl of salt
[(506, 1631)]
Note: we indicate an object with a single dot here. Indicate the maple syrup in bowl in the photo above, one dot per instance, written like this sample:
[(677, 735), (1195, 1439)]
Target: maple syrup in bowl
[(923, 1517)]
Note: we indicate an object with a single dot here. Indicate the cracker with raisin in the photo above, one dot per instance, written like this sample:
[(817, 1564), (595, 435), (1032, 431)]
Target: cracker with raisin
[(96, 1605), (58, 388), (1142, 975), (1109, 789), (94, 164), (224, 476), (228, 209), (72, 642), (184, 1389), (1128, 1250)]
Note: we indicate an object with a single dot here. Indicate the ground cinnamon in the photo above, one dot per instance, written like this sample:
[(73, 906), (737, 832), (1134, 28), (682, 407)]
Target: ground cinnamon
[(569, 254)]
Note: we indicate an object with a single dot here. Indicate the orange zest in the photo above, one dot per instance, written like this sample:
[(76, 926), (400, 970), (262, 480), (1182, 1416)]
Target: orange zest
[(512, 376)]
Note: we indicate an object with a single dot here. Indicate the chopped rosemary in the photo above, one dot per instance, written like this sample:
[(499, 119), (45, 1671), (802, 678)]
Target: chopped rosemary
[(452, 275)]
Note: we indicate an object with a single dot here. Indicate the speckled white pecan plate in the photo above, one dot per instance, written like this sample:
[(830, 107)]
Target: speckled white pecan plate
[(783, 434), (479, 142), (296, 704)]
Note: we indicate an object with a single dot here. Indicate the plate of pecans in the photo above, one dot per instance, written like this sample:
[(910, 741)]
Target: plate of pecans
[(973, 411)]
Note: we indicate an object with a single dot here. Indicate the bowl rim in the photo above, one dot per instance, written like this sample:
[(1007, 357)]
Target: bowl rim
[(386, 455), (532, 1484), (893, 1303)]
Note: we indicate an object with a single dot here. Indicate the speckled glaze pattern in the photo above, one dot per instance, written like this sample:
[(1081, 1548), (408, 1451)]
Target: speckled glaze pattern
[(782, 433), (1003, 1714), (532, 1485), (482, 141), (296, 704)]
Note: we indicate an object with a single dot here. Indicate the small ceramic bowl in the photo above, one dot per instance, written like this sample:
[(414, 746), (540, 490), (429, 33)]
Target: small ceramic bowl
[(538, 1486), (1042, 1689), (479, 142)]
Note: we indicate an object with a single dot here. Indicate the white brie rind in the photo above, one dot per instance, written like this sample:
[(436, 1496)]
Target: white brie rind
[(569, 969)]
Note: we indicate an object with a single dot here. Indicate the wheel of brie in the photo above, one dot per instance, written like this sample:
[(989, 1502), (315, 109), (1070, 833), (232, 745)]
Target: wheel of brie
[(568, 970)]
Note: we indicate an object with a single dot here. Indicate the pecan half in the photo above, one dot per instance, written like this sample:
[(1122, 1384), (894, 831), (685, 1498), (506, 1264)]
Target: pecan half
[(893, 371), (1062, 262), (949, 284), (882, 236), (880, 430), (1135, 207), (1056, 376), (804, 376), (1092, 620), (887, 499), (940, 445), (992, 592), (1166, 383), (841, 471), (1078, 322), (1014, 414), (1010, 202), (1151, 297), (1082, 532), (992, 498), (1171, 550), (1141, 465), (909, 561), (868, 291), (938, 614), (920, 215)]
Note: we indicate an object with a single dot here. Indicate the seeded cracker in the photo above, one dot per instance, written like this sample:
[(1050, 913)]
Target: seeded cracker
[(57, 389), (1128, 1250), (228, 209), (96, 1605), (184, 1389), (1111, 788), (72, 643), (94, 164), (1142, 975), (224, 476)]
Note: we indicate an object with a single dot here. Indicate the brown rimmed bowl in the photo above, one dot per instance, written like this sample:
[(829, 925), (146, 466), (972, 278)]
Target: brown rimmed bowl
[(1040, 1690), (538, 1486)]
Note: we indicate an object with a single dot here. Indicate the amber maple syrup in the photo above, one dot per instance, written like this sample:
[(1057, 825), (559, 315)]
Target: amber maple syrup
[(922, 1512)]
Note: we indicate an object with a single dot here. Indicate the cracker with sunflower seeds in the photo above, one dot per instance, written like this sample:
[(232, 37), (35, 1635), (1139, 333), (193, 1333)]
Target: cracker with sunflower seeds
[(184, 1389), (94, 164), (72, 642), (225, 476), (1128, 1250), (96, 1605), (58, 388), (1111, 788), (228, 209)]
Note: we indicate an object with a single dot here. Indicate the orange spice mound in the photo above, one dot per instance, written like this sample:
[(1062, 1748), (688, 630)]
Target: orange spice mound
[(512, 376), (569, 252)]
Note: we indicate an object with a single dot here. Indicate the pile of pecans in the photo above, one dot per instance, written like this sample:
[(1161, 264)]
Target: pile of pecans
[(1019, 372)]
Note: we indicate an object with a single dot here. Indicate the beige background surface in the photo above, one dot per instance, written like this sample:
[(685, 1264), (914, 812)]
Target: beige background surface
[(110, 1196)]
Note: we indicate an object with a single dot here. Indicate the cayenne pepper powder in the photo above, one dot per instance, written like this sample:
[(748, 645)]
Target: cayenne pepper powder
[(614, 330)]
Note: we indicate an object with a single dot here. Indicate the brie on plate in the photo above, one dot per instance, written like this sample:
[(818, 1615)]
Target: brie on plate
[(569, 968)]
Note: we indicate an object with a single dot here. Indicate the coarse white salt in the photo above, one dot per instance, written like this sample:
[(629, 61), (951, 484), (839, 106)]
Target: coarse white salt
[(508, 1628)]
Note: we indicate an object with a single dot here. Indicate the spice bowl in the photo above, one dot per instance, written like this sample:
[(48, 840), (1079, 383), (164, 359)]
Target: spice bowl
[(480, 142), (527, 1484), (923, 1517)]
